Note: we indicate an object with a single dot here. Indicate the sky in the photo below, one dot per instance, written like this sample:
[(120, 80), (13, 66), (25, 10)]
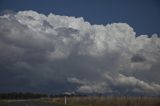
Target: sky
[(57, 46)]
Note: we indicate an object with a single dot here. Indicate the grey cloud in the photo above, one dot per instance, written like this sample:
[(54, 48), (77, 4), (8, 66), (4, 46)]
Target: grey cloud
[(46, 24), (138, 58), (54, 49), (134, 84)]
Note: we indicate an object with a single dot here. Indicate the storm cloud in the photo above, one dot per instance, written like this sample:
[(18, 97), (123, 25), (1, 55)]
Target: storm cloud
[(41, 51)]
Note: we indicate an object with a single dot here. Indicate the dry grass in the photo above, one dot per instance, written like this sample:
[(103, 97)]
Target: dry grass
[(109, 101)]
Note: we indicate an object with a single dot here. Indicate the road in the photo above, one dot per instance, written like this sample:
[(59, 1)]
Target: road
[(28, 103)]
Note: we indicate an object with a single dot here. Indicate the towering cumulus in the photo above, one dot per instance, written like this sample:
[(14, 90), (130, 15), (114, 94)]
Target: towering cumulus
[(38, 51)]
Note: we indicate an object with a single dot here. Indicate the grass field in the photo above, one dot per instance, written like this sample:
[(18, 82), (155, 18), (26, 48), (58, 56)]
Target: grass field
[(109, 101), (4, 102)]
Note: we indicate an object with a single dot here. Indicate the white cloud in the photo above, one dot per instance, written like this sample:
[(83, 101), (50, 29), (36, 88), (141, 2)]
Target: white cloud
[(90, 87), (109, 82), (134, 83), (57, 47)]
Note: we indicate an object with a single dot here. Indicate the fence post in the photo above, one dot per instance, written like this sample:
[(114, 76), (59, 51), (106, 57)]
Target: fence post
[(65, 100)]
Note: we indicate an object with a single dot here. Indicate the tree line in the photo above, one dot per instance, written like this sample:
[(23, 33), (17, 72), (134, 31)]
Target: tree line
[(20, 95), (29, 95)]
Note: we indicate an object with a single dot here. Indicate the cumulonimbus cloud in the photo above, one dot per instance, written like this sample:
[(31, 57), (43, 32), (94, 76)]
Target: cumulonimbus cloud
[(95, 58)]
